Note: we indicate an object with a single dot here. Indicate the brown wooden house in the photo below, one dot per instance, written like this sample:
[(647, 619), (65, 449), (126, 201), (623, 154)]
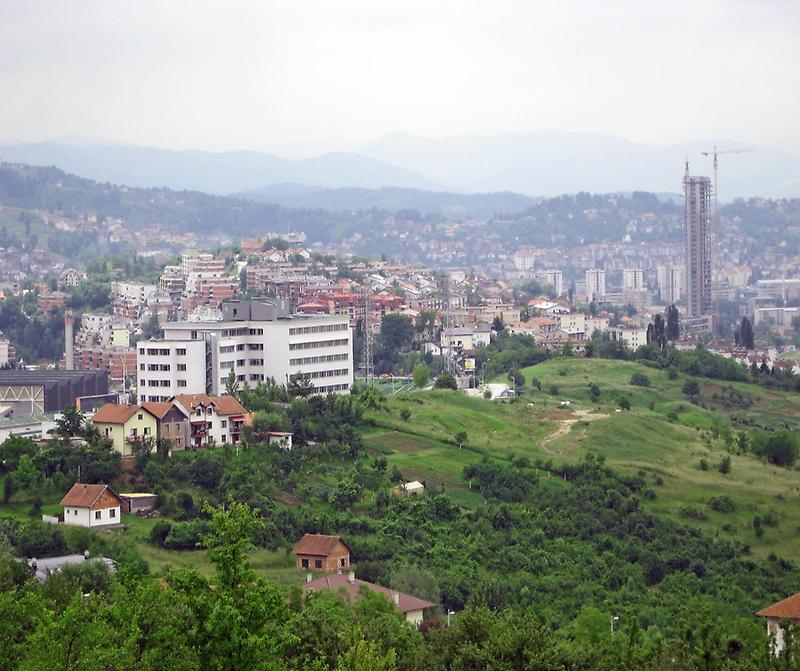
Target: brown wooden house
[(317, 552)]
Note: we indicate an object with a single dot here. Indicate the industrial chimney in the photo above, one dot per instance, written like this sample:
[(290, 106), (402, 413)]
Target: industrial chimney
[(68, 340)]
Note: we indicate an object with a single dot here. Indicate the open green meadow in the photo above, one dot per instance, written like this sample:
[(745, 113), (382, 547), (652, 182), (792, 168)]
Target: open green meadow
[(663, 437)]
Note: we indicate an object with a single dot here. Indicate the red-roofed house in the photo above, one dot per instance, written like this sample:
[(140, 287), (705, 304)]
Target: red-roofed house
[(124, 425), (411, 606), (91, 506), (212, 419), (788, 609)]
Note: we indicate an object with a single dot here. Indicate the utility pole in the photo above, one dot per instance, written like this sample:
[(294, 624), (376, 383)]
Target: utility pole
[(715, 152)]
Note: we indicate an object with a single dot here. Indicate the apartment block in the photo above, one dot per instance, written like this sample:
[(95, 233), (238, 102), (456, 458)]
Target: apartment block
[(632, 279), (595, 283), (254, 339)]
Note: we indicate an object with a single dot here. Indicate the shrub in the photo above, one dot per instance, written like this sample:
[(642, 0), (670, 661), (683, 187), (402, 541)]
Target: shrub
[(405, 414), (722, 504), (553, 389), (445, 381), (159, 532), (639, 379), (693, 513), (691, 388)]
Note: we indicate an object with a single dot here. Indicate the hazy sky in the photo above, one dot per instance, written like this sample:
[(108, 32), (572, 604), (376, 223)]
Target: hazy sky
[(266, 74)]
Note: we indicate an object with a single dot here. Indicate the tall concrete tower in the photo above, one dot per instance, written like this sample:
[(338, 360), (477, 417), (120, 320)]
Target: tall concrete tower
[(697, 191), (69, 340)]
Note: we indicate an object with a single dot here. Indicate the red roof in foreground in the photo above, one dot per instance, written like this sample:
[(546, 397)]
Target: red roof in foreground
[(788, 608), (339, 581)]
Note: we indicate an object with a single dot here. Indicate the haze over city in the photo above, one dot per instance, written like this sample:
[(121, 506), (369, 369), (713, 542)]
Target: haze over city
[(304, 77)]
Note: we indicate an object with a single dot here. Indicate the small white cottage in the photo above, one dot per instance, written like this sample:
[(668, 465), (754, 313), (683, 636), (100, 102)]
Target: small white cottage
[(91, 506)]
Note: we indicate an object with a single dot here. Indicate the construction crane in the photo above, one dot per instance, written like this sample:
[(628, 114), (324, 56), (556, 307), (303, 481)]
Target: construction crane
[(715, 152)]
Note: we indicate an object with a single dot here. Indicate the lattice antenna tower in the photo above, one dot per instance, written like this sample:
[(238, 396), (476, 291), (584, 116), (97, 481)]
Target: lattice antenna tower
[(368, 359)]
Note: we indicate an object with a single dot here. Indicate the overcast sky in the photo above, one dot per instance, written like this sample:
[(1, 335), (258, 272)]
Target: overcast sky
[(317, 74)]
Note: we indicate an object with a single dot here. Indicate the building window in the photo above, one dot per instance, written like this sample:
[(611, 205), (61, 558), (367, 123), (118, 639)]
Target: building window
[(341, 562), (224, 423), (181, 366), (304, 563), (181, 383), (112, 512), (75, 512), (97, 514), (140, 417), (317, 563), (180, 351), (224, 439)]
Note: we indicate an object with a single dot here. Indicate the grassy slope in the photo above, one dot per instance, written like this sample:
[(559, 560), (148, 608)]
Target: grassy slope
[(640, 440)]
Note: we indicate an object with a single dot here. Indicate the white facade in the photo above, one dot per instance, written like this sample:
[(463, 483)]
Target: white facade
[(632, 279), (169, 368), (632, 337), (595, 283), (555, 278), (318, 347), (84, 517), (670, 283), (133, 291), (573, 323)]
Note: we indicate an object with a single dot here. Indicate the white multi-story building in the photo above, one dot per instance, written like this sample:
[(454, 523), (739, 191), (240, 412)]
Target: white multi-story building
[(669, 283), (595, 283), (632, 279), (168, 368), (631, 336), (256, 340), (554, 278)]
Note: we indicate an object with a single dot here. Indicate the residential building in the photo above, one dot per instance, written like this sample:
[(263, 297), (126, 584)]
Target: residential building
[(633, 279), (697, 192), (255, 339), (595, 283), (70, 278), (125, 425), (631, 336), (787, 610), (412, 607), (167, 368), (670, 281), (213, 420), (91, 506), (45, 567), (466, 338), (319, 552), (172, 423)]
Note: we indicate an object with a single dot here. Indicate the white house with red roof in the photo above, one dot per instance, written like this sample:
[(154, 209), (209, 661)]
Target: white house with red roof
[(787, 610), (91, 506), (411, 606)]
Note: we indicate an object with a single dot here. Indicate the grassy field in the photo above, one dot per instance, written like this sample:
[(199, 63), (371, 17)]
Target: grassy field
[(644, 440)]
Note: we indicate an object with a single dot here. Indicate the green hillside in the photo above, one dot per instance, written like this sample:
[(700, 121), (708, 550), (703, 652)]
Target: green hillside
[(668, 450)]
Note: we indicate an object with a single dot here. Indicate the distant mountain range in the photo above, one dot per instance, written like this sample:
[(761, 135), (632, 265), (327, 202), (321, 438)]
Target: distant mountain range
[(217, 173), (534, 164), (551, 163)]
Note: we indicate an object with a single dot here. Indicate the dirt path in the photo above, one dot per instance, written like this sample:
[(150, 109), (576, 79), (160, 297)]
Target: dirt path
[(564, 426)]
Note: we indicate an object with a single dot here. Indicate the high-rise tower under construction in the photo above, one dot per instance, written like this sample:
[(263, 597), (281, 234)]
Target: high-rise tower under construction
[(697, 191)]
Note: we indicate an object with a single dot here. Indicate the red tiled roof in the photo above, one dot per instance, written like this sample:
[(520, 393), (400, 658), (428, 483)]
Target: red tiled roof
[(405, 602), (225, 405), (113, 413), (318, 545), (84, 496), (788, 608), (158, 410)]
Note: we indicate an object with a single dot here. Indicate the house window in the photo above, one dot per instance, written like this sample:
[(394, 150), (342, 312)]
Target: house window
[(141, 416), (317, 563), (341, 562), (147, 431), (97, 514), (224, 439), (224, 423), (304, 563), (75, 512), (112, 512)]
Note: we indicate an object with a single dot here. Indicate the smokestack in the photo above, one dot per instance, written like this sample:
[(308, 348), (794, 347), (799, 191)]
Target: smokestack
[(69, 364)]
